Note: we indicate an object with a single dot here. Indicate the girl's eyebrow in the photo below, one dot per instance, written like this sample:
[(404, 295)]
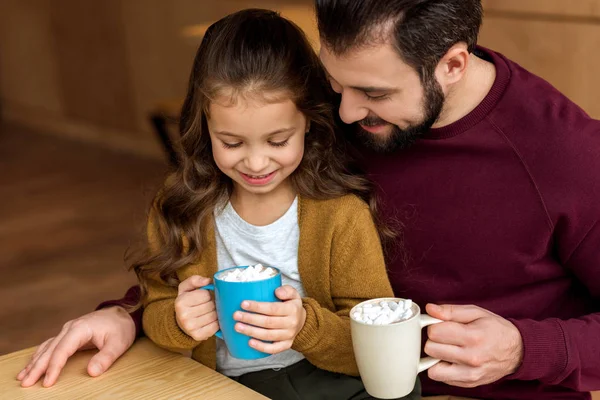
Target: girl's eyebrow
[(282, 130)]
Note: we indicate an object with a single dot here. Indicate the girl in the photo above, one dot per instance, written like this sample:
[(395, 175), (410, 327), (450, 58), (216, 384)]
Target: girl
[(263, 180)]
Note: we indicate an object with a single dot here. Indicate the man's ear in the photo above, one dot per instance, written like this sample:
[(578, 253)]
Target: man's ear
[(453, 65)]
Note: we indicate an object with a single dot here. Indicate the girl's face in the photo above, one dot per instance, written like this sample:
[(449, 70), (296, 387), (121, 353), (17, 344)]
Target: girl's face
[(257, 144)]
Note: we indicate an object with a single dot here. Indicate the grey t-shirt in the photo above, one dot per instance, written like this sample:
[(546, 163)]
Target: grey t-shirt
[(240, 243)]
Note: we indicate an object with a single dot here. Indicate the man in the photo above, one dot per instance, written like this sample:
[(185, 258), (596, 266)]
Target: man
[(496, 178)]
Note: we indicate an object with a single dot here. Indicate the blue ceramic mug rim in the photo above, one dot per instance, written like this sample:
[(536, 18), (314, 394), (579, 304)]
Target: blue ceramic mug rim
[(216, 274)]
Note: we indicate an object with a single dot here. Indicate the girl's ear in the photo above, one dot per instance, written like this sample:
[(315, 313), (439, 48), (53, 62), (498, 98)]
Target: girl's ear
[(307, 126)]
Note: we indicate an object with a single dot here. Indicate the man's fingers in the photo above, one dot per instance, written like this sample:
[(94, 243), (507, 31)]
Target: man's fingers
[(457, 313), (75, 339), (41, 348), (38, 368), (40, 364), (467, 356), (106, 357), (449, 332), (456, 375), (446, 352), (192, 283), (23, 375), (44, 348)]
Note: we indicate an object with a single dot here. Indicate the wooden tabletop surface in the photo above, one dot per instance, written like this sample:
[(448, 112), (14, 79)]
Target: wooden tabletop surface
[(144, 372)]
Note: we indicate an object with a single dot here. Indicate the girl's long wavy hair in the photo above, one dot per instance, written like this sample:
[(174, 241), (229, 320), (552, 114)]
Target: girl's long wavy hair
[(250, 52)]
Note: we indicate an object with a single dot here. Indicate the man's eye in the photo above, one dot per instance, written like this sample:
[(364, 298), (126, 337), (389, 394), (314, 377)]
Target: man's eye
[(376, 98)]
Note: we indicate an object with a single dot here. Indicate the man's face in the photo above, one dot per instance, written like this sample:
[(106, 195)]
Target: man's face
[(384, 95)]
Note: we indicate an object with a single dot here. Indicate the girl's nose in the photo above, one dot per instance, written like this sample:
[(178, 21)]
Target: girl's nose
[(256, 163)]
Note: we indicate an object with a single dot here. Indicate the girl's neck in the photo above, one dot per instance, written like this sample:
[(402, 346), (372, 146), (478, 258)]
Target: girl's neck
[(262, 209)]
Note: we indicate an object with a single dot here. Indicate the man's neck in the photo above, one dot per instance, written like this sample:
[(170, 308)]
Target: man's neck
[(469, 92)]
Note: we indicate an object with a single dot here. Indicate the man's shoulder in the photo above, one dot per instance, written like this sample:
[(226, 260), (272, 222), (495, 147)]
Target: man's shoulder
[(554, 138), (533, 105), (540, 120)]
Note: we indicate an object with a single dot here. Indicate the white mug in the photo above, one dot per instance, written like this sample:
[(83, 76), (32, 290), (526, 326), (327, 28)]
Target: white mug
[(388, 356)]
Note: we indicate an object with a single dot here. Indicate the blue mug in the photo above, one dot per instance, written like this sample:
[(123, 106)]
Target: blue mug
[(228, 299)]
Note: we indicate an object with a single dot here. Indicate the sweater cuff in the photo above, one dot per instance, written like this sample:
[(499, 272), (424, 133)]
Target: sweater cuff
[(131, 298), (544, 350), (163, 313), (308, 335)]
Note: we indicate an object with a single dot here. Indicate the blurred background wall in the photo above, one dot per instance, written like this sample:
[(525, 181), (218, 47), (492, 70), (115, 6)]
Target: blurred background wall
[(95, 69)]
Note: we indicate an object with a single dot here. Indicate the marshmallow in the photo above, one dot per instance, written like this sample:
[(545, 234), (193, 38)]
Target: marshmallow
[(252, 273), (384, 312)]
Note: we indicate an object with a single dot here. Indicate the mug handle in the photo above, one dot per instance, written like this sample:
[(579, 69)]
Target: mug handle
[(211, 287), (427, 362)]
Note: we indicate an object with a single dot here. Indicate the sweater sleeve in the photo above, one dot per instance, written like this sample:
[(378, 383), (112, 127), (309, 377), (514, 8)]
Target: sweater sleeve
[(357, 273), (131, 298), (566, 352), (159, 321)]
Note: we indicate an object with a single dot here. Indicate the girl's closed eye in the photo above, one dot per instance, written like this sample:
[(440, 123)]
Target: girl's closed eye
[(280, 144), (231, 145)]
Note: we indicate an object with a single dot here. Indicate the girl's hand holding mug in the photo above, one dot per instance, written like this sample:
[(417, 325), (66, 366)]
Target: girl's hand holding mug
[(278, 323), (195, 310)]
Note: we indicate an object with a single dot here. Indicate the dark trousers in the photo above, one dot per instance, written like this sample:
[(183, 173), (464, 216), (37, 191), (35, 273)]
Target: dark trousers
[(304, 381)]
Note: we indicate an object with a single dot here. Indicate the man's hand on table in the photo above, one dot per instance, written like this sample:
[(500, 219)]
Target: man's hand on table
[(476, 346), (111, 330)]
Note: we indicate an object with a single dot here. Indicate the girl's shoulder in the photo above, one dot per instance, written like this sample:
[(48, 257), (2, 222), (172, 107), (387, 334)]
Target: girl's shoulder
[(346, 201), (339, 208)]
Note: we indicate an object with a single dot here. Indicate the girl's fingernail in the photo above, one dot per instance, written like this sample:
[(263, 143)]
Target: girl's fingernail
[(245, 304)]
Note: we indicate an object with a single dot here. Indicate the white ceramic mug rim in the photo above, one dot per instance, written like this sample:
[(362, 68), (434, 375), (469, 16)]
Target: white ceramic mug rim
[(415, 307)]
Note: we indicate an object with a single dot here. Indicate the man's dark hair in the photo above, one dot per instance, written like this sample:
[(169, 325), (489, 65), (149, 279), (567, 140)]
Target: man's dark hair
[(423, 30)]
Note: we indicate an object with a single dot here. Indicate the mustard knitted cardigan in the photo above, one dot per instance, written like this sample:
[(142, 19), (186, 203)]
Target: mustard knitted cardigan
[(340, 262)]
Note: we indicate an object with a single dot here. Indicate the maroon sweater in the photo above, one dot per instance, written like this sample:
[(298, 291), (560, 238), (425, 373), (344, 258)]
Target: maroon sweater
[(501, 210)]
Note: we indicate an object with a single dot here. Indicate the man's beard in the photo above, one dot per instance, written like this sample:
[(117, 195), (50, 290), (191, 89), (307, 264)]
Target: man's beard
[(403, 138)]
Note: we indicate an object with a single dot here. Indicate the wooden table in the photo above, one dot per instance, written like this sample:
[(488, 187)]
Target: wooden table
[(144, 372)]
